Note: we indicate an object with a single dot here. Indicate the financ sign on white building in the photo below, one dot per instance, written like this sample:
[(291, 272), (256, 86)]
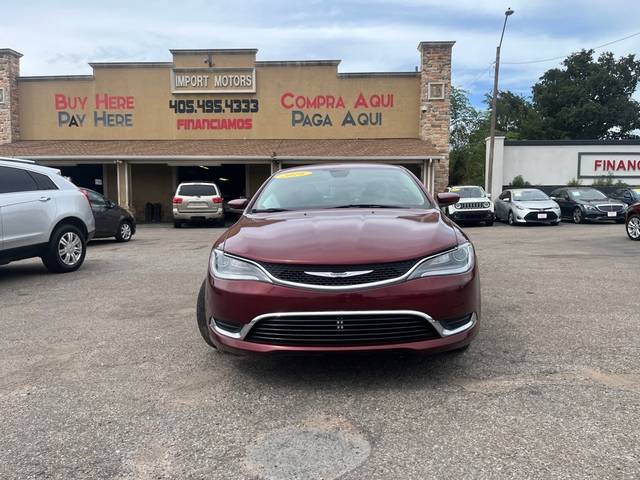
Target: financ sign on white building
[(557, 162)]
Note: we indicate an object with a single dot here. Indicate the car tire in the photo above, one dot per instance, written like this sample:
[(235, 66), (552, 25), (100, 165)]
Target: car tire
[(66, 250), (125, 231), (489, 223), (202, 317), (633, 227), (177, 224), (577, 216), (510, 219)]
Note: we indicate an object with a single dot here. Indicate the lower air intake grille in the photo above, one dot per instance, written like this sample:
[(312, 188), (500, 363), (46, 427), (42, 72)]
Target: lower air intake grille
[(341, 330)]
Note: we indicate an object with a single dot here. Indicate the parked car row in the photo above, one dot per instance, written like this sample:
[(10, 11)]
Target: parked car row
[(44, 215)]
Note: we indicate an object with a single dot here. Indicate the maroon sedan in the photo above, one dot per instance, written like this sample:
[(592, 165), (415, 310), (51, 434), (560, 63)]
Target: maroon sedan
[(337, 258), (633, 221)]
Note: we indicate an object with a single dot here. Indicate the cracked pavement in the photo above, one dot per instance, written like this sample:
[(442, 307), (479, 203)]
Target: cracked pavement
[(104, 374)]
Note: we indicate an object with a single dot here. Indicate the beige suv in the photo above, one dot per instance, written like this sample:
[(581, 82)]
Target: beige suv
[(197, 201)]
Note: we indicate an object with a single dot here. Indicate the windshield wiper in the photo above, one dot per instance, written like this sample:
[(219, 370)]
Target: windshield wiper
[(367, 205), (269, 210)]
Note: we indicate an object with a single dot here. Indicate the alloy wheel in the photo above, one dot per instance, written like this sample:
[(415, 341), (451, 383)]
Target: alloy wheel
[(70, 248), (125, 231), (577, 216), (633, 228)]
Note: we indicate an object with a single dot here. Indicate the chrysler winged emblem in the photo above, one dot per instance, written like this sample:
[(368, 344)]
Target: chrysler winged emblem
[(339, 274)]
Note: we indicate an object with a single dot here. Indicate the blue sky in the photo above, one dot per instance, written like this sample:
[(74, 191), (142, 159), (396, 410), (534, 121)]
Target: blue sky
[(60, 37)]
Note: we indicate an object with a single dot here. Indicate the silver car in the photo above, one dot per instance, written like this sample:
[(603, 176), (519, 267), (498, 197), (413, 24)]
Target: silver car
[(197, 201), (42, 215), (526, 205)]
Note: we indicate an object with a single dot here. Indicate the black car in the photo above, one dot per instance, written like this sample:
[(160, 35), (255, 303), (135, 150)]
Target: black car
[(582, 204), (628, 195), (111, 219)]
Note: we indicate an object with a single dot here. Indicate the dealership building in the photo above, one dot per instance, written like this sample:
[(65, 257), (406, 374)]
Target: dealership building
[(552, 163), (134, 130)]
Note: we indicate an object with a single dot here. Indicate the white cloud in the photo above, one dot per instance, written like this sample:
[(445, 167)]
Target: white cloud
[(368, 36)]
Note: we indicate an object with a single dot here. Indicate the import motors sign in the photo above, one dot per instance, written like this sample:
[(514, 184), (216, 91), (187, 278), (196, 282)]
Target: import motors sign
[(213, 80), (616, 164)]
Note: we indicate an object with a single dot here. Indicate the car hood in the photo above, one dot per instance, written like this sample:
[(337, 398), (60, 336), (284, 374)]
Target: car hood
[(604, 201), (538, 204), (473, 199), (340, 237)]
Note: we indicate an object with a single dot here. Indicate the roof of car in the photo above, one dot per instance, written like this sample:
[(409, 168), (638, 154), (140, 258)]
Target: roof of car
[(27, 165), (197, 183), (324, 166)]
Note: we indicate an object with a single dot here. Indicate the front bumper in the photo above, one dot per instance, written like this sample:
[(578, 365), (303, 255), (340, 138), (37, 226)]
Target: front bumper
[(472, 216), (198, 215), (533, 216), (598, 215), (244, 304)]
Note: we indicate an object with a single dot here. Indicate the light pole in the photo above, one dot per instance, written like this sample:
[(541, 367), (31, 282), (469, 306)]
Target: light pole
[(494, 101)]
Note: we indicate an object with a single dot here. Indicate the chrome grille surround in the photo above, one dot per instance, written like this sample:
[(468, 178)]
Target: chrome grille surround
[(245, 329), (610, 207)]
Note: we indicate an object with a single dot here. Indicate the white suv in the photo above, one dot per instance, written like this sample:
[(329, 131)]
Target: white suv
[(474, 206), (42, 215), (195, 201)]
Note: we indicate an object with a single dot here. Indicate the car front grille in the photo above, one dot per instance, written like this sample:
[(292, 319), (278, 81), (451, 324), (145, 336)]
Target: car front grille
[(377, 272), (341, 330), (609, 208), (533, 216), (472, 205)]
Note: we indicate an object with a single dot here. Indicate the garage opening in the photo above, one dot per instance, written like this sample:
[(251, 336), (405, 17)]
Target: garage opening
[(230, 178), (87, 176)]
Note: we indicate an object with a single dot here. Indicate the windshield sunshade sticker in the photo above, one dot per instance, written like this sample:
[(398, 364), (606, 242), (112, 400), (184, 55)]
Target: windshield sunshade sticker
[(293, 174)]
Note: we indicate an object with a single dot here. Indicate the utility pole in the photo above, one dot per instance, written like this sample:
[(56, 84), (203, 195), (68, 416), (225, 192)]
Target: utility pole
[(494, 102)]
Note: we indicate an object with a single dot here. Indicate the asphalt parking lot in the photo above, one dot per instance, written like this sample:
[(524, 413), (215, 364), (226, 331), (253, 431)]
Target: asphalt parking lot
[(104, 374)]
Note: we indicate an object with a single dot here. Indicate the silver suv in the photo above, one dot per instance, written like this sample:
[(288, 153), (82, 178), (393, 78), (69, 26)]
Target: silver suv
[(42, 215), (197, 201)]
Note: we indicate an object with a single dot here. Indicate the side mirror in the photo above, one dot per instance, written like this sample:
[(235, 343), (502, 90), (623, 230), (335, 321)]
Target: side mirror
[(111, 204), (238, 203), (447, 198), (488, 195)]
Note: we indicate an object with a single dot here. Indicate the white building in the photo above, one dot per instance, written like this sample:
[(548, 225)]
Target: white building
[(553, 163)]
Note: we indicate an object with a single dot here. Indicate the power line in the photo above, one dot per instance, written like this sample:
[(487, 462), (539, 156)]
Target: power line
[(565, 56)]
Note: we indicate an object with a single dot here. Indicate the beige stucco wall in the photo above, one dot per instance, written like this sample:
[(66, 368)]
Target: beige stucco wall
[(152, 117)]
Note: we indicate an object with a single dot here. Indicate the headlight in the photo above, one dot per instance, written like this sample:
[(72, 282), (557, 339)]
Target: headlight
[(486, 204), (458, 206), (232, 268), (590, 207), (458, 260), (518, 206)]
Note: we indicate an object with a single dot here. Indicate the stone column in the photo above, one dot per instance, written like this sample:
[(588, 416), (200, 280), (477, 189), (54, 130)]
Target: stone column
[(435, 91), (9, 114)]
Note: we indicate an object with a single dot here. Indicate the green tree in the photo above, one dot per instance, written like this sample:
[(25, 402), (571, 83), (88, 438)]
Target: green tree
[(516, 116), (589, 99), (468, 128)]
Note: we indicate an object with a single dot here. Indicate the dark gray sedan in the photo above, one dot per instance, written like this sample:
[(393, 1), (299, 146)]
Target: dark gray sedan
[(111, 219)]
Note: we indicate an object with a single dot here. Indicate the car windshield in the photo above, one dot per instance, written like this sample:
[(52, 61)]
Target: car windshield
[(468, 192), (197, 190), (587, 194), (529, 196), (341, 187)]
